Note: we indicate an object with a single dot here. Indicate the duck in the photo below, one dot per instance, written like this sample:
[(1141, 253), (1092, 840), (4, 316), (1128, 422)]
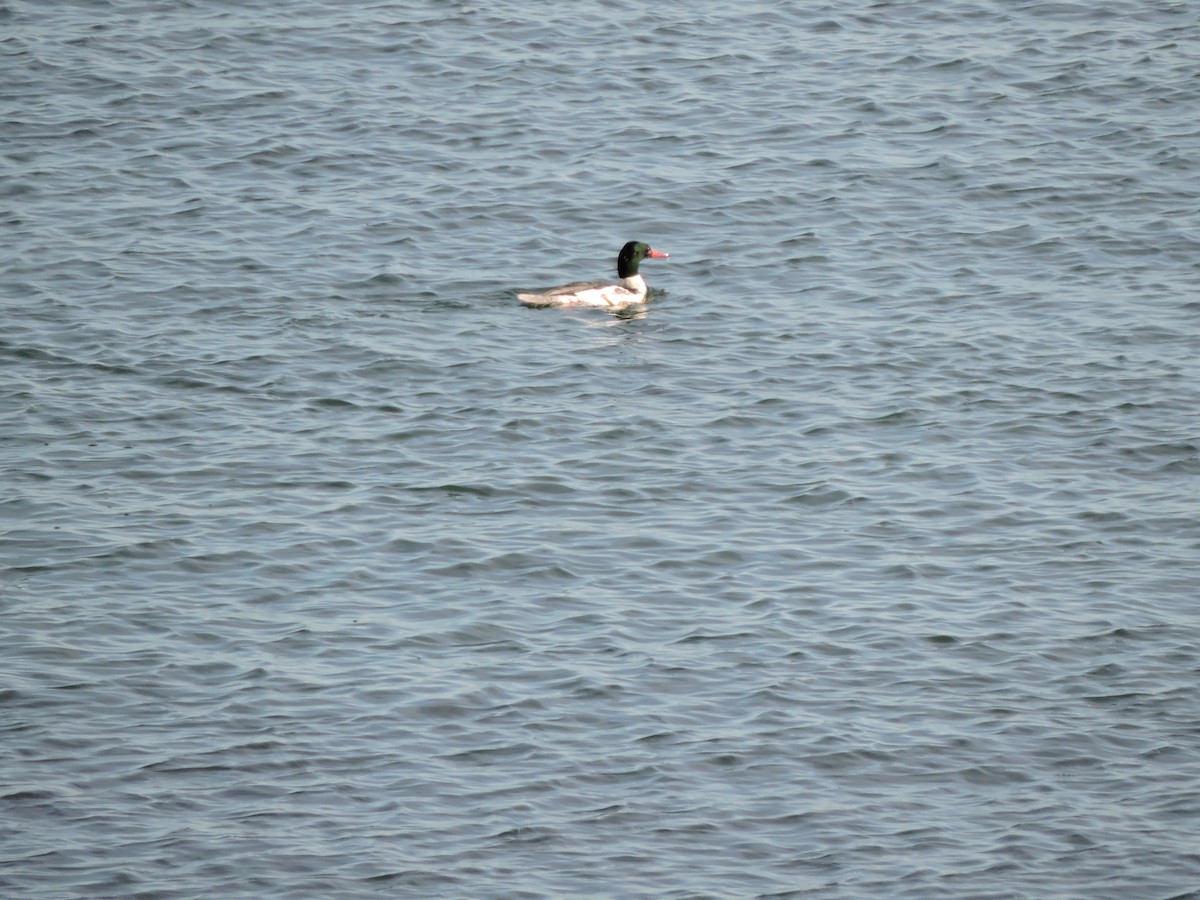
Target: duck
[(630, 290)]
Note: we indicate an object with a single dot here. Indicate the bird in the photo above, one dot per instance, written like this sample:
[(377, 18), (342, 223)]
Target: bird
[(631, 289)]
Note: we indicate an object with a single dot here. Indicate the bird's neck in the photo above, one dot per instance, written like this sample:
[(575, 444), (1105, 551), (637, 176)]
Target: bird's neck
[(634, 283)]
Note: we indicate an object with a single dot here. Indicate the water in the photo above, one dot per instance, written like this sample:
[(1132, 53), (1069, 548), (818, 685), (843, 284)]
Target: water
[(863, 563)]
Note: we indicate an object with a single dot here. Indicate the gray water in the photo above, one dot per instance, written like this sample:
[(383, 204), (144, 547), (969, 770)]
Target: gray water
[(863, 562)]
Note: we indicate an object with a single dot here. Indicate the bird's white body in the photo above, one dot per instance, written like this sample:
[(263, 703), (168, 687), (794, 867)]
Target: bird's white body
[(591, 293)]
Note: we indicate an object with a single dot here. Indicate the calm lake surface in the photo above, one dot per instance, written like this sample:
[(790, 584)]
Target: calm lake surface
[(863, 562)]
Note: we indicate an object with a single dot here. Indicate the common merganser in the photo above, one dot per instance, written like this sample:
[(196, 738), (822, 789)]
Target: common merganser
[(632, 288)]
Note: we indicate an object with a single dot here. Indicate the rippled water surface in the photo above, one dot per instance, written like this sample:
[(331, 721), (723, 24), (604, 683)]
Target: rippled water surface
[(863, 562)]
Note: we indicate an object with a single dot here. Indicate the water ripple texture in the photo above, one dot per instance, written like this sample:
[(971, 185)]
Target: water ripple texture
[(861, 562)]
